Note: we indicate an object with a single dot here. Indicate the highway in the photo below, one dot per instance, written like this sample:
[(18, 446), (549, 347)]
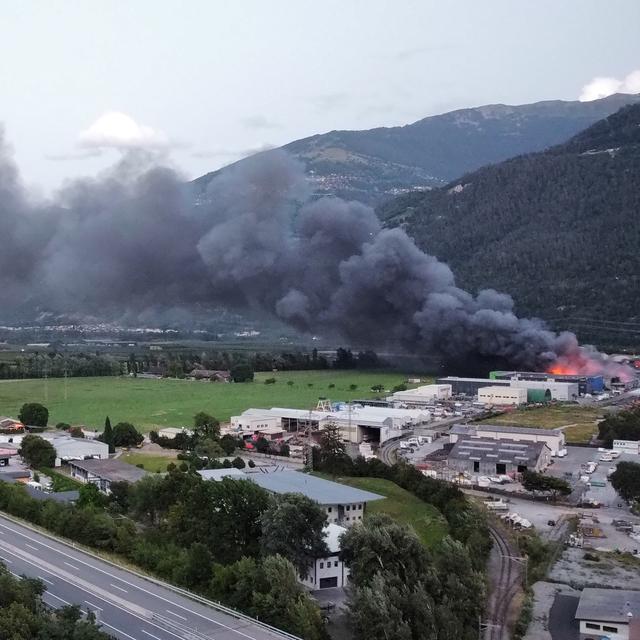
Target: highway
[(127, 606)]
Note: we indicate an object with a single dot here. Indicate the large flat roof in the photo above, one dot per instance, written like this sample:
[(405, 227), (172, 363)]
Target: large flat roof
[(470, 429), (608, 605), (113, 469), (497, 451), (489, 381), (318, 489)]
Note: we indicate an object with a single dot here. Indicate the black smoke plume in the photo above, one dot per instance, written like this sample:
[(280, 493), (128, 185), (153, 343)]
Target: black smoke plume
[(132, 240)]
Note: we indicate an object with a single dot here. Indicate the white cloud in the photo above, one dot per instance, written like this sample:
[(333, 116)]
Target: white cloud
[(119, 131), (601, 87)]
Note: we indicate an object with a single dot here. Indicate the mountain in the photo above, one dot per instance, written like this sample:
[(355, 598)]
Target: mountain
[(375, 165), (558, 230)]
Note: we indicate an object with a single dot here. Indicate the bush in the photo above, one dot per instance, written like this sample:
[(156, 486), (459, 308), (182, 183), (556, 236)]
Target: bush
[(63, 426), (252, 464), (126, 435), (270, 381), (238, 463), (399, 387), (34, 414), (37, 452)]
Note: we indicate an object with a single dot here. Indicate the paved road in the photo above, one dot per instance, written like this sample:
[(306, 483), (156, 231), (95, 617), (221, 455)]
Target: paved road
[(127, 606)]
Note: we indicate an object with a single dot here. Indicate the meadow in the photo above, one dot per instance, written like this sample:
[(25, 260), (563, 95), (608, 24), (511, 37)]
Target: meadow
[(168, 402), (578, 422)]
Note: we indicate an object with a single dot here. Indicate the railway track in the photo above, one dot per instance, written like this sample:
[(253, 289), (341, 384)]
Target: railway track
[(505, 589)]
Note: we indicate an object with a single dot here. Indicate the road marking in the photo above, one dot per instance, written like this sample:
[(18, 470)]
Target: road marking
[(115, 586), (71, 565), (150, 634), (26, 544), (177, 615), (150, 593), (45, 580), (95, 606), (105, 624), (6, 560), (53, 595)]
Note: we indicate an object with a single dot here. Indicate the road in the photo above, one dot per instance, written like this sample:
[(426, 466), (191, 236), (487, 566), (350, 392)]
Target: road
[(127, 606)]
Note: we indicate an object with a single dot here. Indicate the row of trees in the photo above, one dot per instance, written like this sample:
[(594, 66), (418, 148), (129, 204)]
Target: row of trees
[(624, 425), (24, 616), (57, 365), (626, 481)]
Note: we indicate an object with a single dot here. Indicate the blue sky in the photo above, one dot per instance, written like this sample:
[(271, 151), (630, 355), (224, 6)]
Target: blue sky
[(206, 82)]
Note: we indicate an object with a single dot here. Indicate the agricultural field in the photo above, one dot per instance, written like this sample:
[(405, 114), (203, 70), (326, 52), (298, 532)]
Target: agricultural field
[(168, 402), (152, 463), (402, 506), (579, 422)]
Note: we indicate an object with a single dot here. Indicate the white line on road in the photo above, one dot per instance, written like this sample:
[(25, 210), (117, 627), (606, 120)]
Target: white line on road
[(45, 580), (6, 560), (115, 586), (95, 606), (104, 624), (53, 595), (71, 565), (150, 634), (26, 544), (177, 615)]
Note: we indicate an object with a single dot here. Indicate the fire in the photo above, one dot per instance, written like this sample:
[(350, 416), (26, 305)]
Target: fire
[(562, 370)]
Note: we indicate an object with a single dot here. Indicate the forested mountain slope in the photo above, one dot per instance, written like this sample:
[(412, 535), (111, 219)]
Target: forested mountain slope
[(377, 164), (558, 230)]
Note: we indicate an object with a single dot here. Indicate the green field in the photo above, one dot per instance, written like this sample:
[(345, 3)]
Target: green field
[(402, 506), (151, 463), (579, 423), (153, 403)]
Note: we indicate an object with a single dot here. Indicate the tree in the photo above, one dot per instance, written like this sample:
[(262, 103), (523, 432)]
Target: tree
[(621, 426), (63, 426), (626, 481), (228, 444), (399, 387), (262, 445), (90, 496), (538, 482), (76, 432), (377, 388), (209, 448), (242, 373), (333, 451), (292, 527), (205, 426), (198, 569), (238, 463), (37, 452), (34, 414), (344, 359), (107, 435), (126, 435)]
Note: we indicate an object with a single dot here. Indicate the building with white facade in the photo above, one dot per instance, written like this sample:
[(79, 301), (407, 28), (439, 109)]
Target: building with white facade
[(171, 432), (330, 571), (357, 423), (553, 438), (103, 472), (560, 391), (422, 395), (627, 446), (612, 614), (502, 395)]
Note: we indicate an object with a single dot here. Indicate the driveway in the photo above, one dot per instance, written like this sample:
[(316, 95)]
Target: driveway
[(562, 622)]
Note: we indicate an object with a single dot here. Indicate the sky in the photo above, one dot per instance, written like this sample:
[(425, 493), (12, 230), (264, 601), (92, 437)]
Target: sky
[(207, 82)]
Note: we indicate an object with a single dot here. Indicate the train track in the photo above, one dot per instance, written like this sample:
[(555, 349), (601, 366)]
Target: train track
[(505, 589)]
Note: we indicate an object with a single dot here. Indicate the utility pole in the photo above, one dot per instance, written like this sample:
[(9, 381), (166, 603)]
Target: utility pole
[(66, 390)]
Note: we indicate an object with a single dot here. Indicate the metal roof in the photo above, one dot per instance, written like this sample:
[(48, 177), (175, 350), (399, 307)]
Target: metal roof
[(318, 489), (508, 452), (608, 605), (468, 429), (218, 474), (113, 470)]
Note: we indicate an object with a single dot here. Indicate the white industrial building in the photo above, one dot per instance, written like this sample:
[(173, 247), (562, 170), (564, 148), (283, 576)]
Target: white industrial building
[(328, 572), (422, 395), (68, 448), (611, 614), (627, 446), (357, 423), (553, 438), (561, 391), (171, 432), (502, 396)]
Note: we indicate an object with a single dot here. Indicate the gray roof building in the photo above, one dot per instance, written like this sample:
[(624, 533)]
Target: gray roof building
[(103, 472), (553, 438), (611, 605)]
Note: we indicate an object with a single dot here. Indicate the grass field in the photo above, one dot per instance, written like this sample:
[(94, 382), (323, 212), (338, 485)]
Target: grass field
[(402, 506), (151, 463), (579, 423), (151, 403)]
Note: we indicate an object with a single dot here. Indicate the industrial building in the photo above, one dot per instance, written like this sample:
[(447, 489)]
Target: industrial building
[(68, 448), (586, 384), (612, 614), (497, 457), (627, 446), (546, 390), (104, 472), (330, 571), (344, 505), (356, 423), (501, 395), (171, 432), (469, 386), (553, 438), (421, 395)]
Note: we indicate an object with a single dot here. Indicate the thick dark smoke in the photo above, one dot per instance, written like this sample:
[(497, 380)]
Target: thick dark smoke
[(132, 242)]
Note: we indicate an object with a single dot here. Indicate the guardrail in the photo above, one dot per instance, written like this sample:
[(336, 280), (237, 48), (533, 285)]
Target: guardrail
[(183, 592)]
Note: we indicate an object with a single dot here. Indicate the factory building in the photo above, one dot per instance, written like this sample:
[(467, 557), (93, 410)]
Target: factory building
[(103, 473), (68, 448), (421, 395), (553, 438), (501, 395), (470, 386), (586, 384), (356, 423), (497, 457), (546, 390)]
